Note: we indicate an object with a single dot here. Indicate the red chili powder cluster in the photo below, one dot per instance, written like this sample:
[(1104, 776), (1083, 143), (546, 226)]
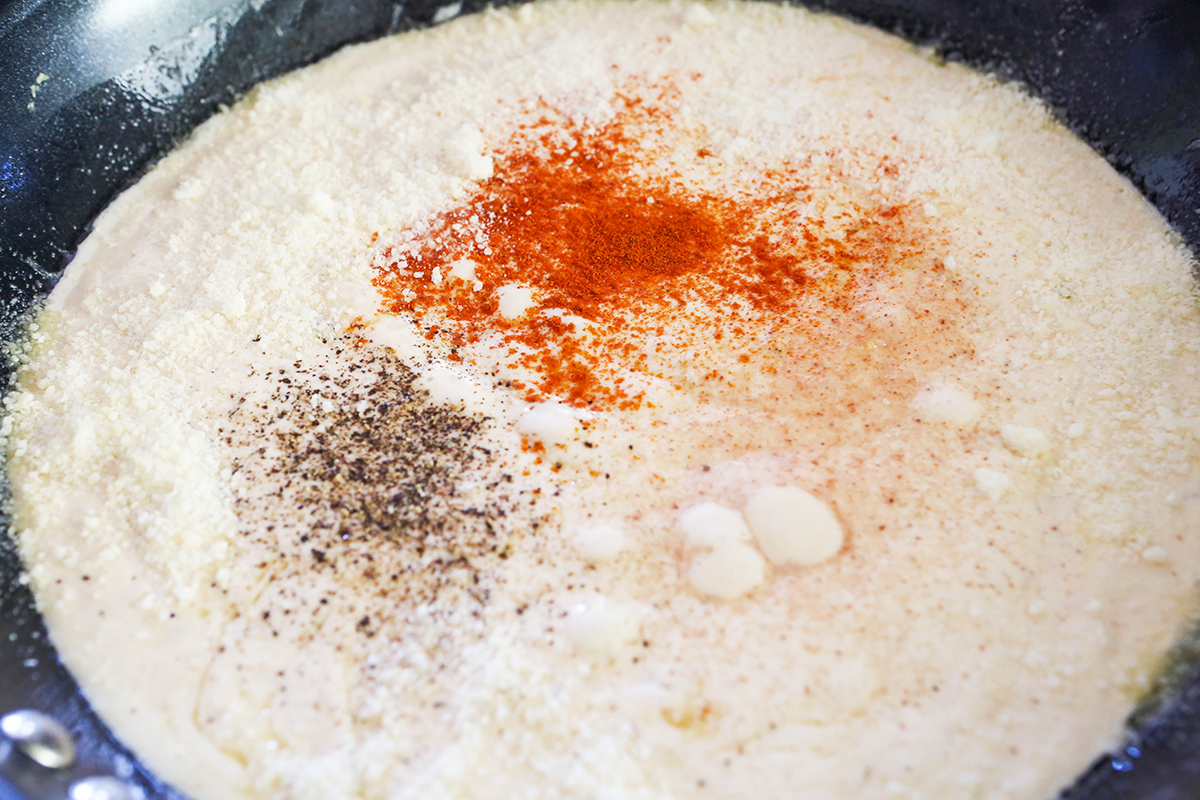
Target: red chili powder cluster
[(571, 214)]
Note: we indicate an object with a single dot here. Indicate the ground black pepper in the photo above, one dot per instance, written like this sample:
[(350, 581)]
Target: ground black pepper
[(350, 472)]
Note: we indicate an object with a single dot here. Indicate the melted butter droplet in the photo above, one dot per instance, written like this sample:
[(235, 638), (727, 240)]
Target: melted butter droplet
[(792, 526), (600, 544)]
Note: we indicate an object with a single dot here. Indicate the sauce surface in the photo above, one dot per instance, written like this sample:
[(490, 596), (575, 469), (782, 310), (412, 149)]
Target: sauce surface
[(624, 399)]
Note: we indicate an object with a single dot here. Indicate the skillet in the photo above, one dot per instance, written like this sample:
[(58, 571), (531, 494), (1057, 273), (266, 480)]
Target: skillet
[(127, 79)]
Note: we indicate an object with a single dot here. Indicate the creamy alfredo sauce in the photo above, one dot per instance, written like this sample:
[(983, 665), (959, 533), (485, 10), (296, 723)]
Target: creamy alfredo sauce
[(606, 399)]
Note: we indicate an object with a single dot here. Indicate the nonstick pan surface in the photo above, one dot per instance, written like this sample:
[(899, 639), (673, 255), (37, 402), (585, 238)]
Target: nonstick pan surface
[(125, 80)]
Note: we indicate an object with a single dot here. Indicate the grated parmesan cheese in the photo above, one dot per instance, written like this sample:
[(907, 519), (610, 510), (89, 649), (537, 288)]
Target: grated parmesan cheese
[(349, 461)]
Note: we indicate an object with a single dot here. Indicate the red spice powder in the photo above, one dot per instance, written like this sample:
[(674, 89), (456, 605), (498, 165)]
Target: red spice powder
[(656, 268)]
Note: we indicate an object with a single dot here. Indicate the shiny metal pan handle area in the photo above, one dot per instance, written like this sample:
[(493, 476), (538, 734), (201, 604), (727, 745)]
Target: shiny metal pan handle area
[(38, 761)]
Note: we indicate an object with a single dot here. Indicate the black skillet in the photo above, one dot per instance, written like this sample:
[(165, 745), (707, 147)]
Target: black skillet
[(127, 79)]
